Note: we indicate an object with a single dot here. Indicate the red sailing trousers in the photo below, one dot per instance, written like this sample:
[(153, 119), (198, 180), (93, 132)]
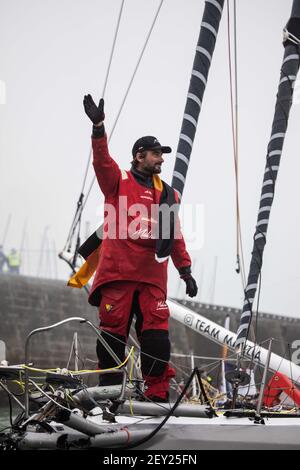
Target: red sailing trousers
[(120, 300), (116, 302)]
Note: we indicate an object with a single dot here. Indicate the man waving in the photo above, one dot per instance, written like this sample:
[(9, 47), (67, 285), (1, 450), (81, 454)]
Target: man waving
[(137, 241)]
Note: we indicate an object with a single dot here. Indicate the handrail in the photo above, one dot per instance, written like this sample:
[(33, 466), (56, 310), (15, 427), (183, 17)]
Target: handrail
[(50, 327)]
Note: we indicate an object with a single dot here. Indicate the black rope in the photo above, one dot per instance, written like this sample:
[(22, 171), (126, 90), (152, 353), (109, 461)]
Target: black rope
[(74, 223), (171, 412), (203, 391)]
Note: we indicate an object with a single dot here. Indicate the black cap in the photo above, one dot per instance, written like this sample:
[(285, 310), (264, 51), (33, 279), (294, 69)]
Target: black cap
[(149, 143)]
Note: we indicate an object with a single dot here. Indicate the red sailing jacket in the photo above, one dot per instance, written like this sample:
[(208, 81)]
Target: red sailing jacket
[(128, 258)]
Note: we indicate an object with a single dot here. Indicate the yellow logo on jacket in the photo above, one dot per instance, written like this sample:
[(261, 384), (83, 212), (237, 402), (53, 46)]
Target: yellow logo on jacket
[(108, 307)]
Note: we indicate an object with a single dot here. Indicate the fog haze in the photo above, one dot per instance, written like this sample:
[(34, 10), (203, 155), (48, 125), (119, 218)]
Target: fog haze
[(54, 52)]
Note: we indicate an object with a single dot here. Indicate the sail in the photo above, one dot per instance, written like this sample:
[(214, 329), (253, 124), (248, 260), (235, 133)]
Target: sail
[(288, 75), (204, 51)]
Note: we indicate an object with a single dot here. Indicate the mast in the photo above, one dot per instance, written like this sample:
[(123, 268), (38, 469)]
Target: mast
[(288, 75), (204, 51)]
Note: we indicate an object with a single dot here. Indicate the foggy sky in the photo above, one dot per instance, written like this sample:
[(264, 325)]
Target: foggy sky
[(54, 52)]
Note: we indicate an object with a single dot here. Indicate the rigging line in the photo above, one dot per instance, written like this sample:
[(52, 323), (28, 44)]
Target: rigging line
[(216, 364), (71, 353), (136, 68), (243, 271), (280, 341), (127, 91), (48, 396), (86, 169), (140, 420), (236, 77), (74, 223), (291, 373), (113, 48), (165, 419), (77, 245), (234, 125), (79, 205), (239, 242), (106, 79), (138, 350), (83, 353)]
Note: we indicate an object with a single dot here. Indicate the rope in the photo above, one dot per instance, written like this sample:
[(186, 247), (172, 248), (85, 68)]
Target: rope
[(131, 377), (291, 37), (127, 91), (240, 260), (113, 48), (79, 208), (181, 368), (170, 413), (240, 265), (84, 371)]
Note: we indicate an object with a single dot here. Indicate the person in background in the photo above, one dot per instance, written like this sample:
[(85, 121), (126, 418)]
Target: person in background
[(14, 262), (3, 259)]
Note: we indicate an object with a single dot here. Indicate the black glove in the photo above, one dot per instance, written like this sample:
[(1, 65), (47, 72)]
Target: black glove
[(191, 285), (94, 112)]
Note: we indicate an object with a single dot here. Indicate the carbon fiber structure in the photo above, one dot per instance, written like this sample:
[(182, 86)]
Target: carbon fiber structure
[(204, 51), (288, 75)]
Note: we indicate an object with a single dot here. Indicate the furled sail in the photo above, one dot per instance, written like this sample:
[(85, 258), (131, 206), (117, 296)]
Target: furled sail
[(288, 75), (204, 51)]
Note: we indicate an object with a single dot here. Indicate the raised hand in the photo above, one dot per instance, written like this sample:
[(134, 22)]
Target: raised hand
[(94, 112)]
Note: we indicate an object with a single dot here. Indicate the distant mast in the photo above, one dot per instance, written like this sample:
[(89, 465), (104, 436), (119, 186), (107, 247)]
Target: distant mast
[(204, 51), (289, 70)]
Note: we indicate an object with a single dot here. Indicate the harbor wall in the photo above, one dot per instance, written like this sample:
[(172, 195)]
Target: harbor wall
[(27, 303)]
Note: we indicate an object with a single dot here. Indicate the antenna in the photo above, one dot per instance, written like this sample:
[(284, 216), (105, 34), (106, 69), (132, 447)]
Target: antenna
[(43, 244), (87, 229), (6, 229), (213, 281), (22, 247), (55, 256), (200, 284)]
